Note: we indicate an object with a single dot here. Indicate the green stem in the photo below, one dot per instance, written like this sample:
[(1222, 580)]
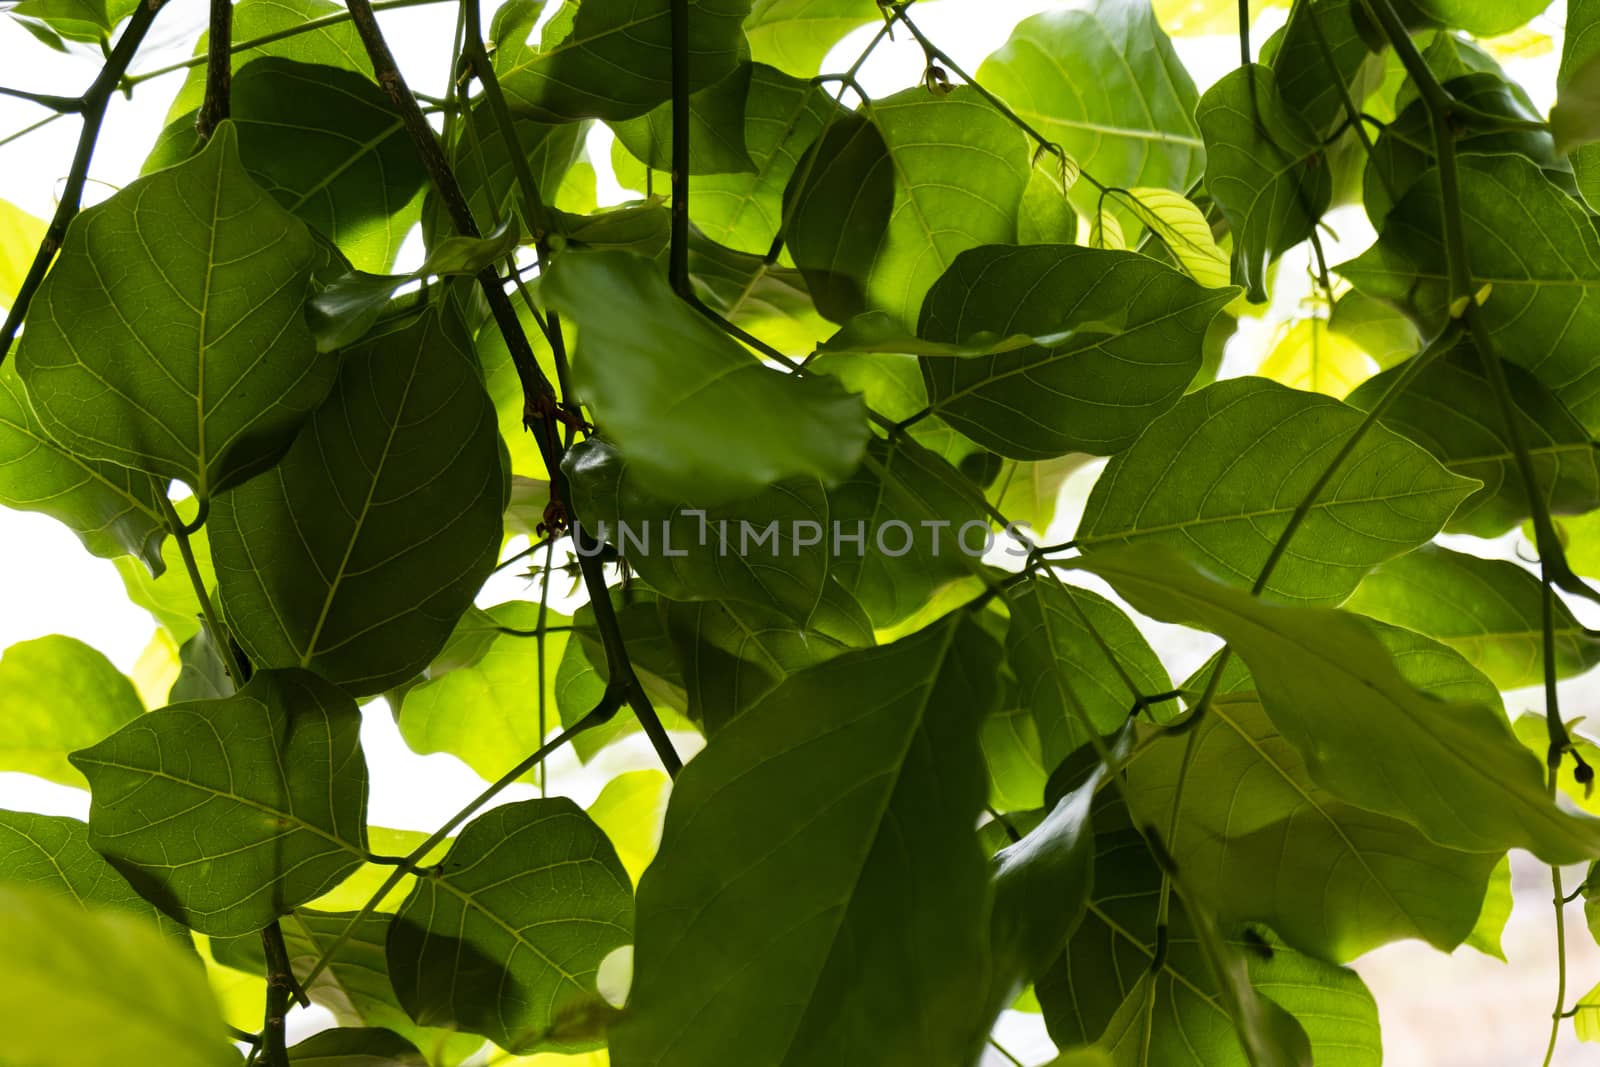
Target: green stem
[(601, 713), (219, 636), (280, 991), (678, 253), (219, 70)]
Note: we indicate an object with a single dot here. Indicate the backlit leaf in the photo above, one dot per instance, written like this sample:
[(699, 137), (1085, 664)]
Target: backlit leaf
[(192, 359), (57, 694), (196, 804)]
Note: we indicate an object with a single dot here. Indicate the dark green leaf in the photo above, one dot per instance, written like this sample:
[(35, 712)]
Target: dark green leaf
[(615, 61), (716, 130), (1307, 84), (57, 694), (693, 411), (192, 360), (202, 671), (356, 555), (914, 524), (734, 653), (506, 939), (823, 839), (1488, 610), (356, 1048), (112, 509), (325, 142), (1220, 475), (1366, 732), (1544, 297), (1264, 168), (1080, 662), (1482, 18), (100, 987), (1104, 83), (1450, 410), (768, 550), (196, 805), (876, 219), (1139, 329), (1404, 152)]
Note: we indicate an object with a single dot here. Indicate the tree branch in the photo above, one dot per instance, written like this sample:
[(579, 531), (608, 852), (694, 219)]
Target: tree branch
[(219, 70), (280, 992), (93, 108), (63, 104)]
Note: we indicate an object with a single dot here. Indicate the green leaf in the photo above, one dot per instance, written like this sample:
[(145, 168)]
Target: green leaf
[(1177, 223), (196, 805), (356, 1048), (748, 550), (57, 694), (1258, 840), (583, 674), (1011, 748), (1496, 910), (1404, 152), (487, 712), (169, 597), (1104, 83), (1078, 659), (482, 161), (1546, 285), (629, 811), (1366, 732), (20, 234), (334, 45), (355, 556), (1308, 86), (112, 509), (1580, 43), (1099, 989), (734, 653), (782, 117), (506, 939), (1307, 355), (716, 129), (1139, 328), (328, 145), (689, 407), (354, 986), (1220, 475), (877, 332), (349, 303), (910, 518), (873, 217), (1041, 891), (100, 987), (615, 61), (1264, 168), (824, 838), (51, 852), (1481, 18), (190, 359), (796, 35), (1378, 329), (1450, 410), (76, 20), (1489, 610)]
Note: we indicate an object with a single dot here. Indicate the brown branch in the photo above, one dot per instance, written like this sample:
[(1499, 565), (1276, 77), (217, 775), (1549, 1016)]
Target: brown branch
[(540, 407), (219, 70)]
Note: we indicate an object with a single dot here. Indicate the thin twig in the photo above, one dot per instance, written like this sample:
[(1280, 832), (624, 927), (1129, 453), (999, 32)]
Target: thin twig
[(93, 108), (61, 104)]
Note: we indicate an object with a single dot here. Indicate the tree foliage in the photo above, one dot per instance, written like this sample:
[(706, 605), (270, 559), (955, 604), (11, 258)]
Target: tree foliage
[(795, 421)]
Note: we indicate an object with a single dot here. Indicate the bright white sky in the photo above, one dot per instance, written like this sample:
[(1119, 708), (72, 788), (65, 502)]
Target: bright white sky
[(49, 584)]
